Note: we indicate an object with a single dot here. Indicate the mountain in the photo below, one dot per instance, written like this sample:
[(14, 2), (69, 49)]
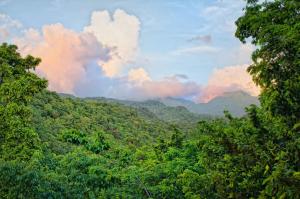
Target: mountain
[(234, 102), (176, 110), (168, 113), (150, 108)]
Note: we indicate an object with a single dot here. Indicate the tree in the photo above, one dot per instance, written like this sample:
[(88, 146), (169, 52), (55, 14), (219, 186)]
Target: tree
[(17, 87), (258, 156), (274, 27)]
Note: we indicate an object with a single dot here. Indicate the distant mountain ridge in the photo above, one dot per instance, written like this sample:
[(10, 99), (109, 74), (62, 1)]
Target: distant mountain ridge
[(234, 102), (181, 110), (172, 114)]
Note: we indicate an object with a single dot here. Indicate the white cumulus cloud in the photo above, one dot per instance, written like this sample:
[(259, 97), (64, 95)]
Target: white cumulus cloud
[(120, 32)]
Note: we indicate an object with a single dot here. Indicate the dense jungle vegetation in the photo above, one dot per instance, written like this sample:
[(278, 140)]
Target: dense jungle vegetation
[(62, 147)]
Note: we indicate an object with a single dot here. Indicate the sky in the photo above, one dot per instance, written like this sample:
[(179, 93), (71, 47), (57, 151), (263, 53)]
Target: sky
[(132, 49)]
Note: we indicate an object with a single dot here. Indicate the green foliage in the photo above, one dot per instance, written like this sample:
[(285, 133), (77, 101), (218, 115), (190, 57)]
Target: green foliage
[(74, 137), (245, 155), (97, 143), (274, 27), (17, 87)]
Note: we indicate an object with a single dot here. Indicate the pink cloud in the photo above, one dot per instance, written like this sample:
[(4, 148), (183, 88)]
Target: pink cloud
[(141, 86), (169, 87), (231, 78), (138, 75), (65, 54)]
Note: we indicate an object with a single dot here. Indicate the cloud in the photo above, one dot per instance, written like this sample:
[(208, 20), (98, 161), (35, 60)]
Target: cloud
[(28, 41), (70, 63), (65, 54), (92, 62), (120, 32), (141, 86), (207, 39), (70, 60), (7, 26), (7, 21), (138, 75), (136, 85), (231, 78), (4, 34), (181, 76), (221, 15), (4, 2), (195, 50), (167, 87), (236, 55)]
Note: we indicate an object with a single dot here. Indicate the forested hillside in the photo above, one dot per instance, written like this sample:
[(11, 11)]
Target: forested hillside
[(53, 115), (171, 114), (54, 146)]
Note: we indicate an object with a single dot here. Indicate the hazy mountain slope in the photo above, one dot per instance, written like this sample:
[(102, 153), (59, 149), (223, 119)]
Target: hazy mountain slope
[(168, 113), (234, 102), (173, 102), (178, 114)]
